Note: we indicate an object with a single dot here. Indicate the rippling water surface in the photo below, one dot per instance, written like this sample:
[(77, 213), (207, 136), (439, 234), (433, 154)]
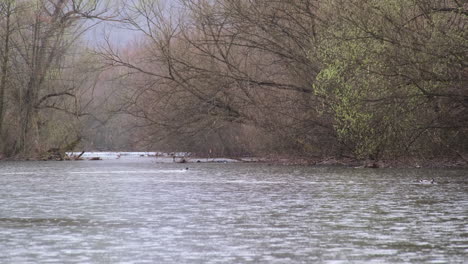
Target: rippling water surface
[(138, 211)]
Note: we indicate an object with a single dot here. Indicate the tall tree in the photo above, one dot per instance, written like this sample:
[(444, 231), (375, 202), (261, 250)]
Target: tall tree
[(36, 42), (6, 11)]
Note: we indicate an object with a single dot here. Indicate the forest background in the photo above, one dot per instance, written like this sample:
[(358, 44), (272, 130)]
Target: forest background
[(357, 79)]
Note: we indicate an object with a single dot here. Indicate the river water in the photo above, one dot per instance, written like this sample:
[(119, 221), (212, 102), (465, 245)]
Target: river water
[(139, 211)]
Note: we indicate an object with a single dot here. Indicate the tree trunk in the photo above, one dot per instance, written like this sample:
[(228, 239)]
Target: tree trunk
[(29, 136), (3, 80)]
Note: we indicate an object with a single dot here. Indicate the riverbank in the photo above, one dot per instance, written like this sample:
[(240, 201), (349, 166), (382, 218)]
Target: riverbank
[(184, 157), (409, 162)]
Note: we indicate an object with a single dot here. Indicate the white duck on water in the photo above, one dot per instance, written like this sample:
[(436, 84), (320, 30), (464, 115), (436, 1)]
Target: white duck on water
[(431, 181)]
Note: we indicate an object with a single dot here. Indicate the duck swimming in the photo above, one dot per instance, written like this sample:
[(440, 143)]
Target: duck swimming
[(431, 181)]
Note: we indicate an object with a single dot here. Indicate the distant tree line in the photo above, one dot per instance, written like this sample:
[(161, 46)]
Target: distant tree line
[(362, 78), (367, 79)]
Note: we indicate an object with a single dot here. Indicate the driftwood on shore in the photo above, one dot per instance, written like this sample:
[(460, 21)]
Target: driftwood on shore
[(77, 157)]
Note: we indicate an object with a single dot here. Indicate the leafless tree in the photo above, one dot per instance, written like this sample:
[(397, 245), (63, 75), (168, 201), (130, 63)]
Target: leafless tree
[(361, 78), (36, 43)]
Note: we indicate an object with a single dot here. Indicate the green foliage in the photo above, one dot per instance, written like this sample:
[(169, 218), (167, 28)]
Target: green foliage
[(383, 62)]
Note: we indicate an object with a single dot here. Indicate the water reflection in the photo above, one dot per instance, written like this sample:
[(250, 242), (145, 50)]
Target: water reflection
[(111, 212)]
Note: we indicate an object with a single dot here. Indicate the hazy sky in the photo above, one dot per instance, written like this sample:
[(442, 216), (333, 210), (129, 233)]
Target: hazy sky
[(118, 34)]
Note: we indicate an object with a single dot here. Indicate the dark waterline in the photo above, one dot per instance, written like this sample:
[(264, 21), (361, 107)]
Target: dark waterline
[(138, 211)]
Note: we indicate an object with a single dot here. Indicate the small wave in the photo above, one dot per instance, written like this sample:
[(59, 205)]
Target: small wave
[(18, 173), (128, 172), (12, 221), (232, 182)]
